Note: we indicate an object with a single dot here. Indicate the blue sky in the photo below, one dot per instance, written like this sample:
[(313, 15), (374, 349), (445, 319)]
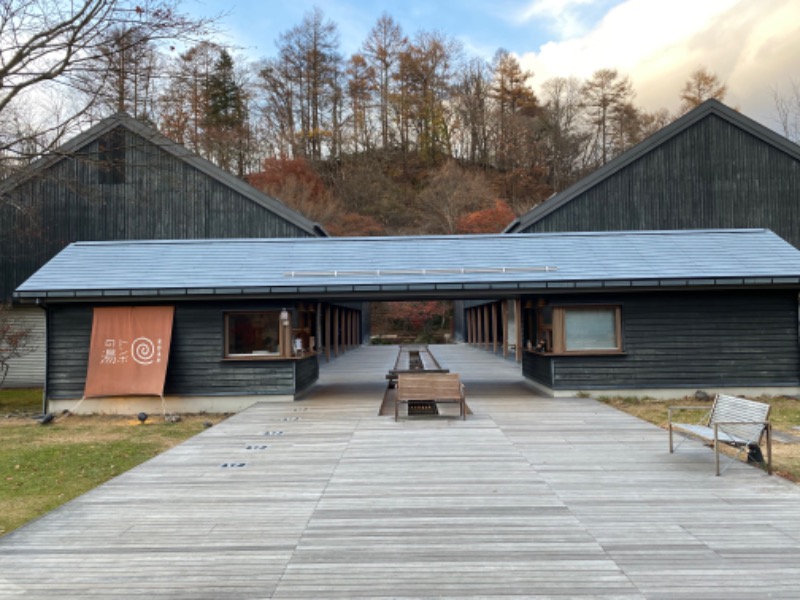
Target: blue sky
[(752, 45), (482, 26)]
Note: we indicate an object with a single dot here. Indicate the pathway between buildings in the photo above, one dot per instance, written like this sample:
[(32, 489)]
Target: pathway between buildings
[(530, 497)]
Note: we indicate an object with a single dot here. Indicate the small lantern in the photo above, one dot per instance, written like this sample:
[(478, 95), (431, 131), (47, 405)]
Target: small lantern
[(284, 317)]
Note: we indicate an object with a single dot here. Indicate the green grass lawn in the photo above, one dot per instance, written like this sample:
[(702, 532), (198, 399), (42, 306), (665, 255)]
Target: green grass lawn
[(44, 466), (785, 416)]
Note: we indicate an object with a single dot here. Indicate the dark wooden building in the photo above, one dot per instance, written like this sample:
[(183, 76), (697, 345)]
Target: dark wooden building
[(711, 168), (122, 180), (655, 312)]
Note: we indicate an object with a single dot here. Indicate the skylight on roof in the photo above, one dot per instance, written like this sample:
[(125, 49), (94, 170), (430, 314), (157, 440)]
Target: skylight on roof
[(440, 271)]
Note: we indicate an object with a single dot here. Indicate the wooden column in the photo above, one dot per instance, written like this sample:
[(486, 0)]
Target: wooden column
[(317, 328), (327, 333), (285, 335), (518, 321), (351, 333), (494, 328), (486, 327), (468, 323), (478, 326), (504, 307), (344, 320), (349, 326), (336, 331)]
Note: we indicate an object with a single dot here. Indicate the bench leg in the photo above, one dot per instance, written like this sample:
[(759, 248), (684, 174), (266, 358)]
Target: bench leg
[(769, 448)]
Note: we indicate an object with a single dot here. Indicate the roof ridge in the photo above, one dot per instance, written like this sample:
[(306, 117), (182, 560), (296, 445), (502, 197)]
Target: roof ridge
[(177, 150), (707, 108)]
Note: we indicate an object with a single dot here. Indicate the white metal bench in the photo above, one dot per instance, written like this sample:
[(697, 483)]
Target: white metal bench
[(734, 421)]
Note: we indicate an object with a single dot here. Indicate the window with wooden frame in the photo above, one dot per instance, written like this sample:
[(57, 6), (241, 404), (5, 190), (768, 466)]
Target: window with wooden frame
[(579, 329), (252, 334)]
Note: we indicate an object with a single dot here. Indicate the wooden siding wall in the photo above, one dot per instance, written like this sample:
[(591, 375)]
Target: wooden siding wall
[(538, 368), (68, 352), (306, 372), (712, 175), (690, 340), (162, 198), (196, 365)]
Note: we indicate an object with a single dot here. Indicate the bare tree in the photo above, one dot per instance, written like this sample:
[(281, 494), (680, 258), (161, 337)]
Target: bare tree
[(607, 99), (425, 79), (452, 193), (62, 42), (787, 110), (360, 90), (382, 49), (471, 101), (564, 137), (14, 340), (183, 103), (309, 58)]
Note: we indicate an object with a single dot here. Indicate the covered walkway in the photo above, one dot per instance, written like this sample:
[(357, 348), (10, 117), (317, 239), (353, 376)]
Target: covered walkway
[(530, 497)]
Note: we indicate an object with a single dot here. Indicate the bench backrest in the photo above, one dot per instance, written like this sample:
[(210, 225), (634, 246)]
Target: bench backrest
[(430, 386), (733, 408)]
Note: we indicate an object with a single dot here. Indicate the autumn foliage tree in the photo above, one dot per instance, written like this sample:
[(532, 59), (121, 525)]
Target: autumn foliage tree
[(489, 220), (423, 321), (451, 192), (295, 183), (702, 85), (355, 225)]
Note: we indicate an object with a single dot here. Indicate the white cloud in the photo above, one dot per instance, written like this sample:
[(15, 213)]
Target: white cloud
[(749, 45), (563, 16)]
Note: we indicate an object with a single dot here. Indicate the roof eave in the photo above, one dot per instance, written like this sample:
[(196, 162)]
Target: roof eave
[(398, 288)]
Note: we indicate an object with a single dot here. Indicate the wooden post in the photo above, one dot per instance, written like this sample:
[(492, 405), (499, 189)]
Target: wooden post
[(494, 328), (285, 333), (318, 328), (327, 333), (486, 327), (342, 330), (349, 329), (336, 331), (479, 326), (518, 321), (504, 307), (469, 325)]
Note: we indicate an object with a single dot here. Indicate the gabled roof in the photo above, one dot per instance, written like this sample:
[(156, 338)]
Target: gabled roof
[(395, 267), (706, 109), (177, 150)]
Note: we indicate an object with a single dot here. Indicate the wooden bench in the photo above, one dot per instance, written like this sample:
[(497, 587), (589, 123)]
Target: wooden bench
[(435, 387), (734, 421)]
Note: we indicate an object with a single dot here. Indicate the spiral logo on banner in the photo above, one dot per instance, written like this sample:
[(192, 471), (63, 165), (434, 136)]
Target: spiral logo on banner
[(143, 351)]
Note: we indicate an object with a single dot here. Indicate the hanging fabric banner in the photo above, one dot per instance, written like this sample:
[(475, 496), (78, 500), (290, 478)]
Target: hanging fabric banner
[(129, 351)]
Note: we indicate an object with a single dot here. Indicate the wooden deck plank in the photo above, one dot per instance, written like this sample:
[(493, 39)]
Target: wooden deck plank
[(529, 498)]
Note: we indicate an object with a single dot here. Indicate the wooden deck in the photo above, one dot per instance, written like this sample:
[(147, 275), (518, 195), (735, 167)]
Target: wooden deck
[(529, 498)]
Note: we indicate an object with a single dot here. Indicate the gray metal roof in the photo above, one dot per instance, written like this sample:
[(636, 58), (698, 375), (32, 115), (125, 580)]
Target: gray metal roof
[(461, 266), (709, 107)]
